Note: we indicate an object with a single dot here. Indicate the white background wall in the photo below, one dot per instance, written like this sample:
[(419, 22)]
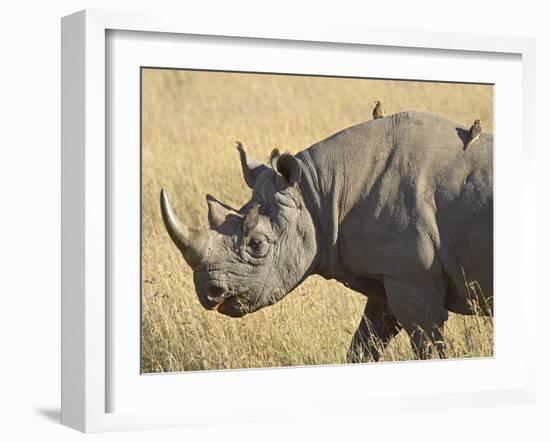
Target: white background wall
[(30, 216)]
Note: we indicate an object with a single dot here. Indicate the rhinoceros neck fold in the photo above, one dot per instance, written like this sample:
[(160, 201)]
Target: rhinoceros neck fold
[(311, 192), (323, 204), (338, 172)]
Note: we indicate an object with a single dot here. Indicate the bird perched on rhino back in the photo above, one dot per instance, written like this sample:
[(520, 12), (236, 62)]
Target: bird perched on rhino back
[(378, 111), (475, 132)]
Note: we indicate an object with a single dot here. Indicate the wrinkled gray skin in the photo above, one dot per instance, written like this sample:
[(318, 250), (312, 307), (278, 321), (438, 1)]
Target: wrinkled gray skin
[(393, 208)]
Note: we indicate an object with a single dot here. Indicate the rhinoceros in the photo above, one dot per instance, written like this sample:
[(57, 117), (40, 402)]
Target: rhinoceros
[(394, 208)]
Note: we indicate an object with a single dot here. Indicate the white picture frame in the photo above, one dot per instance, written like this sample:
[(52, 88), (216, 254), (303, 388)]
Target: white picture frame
[(86, 315)]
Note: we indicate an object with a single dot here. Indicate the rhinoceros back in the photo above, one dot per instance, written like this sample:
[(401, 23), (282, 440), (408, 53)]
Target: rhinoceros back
[(403, 186)]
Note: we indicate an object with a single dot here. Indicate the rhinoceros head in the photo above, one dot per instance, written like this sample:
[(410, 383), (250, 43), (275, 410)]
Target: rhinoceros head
[(252, 257)]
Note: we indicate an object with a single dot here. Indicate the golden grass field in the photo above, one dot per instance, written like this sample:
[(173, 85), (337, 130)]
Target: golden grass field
[(190, 122)]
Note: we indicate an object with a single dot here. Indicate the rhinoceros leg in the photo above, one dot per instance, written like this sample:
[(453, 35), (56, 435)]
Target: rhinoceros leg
[(420, 309), (377, 327)]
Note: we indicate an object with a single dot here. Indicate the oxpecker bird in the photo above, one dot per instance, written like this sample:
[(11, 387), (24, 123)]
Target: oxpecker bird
[(378, 112), (475, 132)]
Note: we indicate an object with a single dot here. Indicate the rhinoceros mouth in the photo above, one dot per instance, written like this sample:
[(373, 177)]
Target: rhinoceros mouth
[(235, 305), (214, 295), (232, 307)]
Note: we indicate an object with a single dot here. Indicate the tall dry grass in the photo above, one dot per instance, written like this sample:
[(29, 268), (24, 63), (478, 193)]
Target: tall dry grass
[(190, 121)]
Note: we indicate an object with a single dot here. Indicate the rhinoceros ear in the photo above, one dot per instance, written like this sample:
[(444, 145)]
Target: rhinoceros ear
[(288, 166), (217, 212), (274, 157), (251, 167)]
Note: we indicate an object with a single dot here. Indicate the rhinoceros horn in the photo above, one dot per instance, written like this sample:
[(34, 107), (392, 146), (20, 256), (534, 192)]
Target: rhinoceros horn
[(192, 243)]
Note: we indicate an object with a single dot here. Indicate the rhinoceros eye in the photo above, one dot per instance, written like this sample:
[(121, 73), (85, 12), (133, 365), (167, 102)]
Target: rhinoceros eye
[(257, 248)]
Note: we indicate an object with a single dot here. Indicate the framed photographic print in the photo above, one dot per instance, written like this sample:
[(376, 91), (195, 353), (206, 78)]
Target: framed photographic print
[(252, 212)]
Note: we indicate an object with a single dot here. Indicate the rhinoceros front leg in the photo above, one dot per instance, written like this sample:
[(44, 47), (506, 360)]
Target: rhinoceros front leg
[(420, 309), (377, 327)]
